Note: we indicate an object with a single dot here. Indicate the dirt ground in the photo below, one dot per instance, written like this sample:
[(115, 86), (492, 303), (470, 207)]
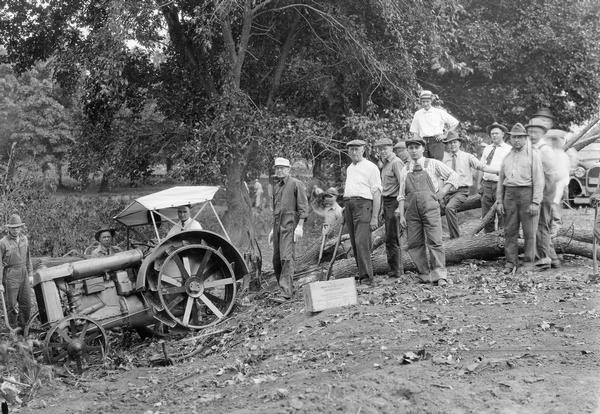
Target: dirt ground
[(487, 343)]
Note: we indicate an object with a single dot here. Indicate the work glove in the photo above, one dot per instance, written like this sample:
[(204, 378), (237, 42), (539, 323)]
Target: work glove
[(298, 233), (534, 209), (271, 238)]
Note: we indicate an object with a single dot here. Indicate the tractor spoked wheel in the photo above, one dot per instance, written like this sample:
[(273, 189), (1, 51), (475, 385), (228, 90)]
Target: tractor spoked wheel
[(77, 340), (196, 286), (33, 326)]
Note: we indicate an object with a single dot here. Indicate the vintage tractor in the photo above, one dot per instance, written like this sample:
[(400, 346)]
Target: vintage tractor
[(188, 280)]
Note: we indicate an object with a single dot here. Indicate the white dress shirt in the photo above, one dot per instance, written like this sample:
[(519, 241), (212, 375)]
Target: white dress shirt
[(362, 180), (432, 122), (501, 151), (189, 224)]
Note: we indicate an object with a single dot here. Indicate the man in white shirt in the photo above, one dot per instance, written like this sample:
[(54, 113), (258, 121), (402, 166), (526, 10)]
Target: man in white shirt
[(430, 123), (362, 201), (185, 221), (492, 156), (462, 162), (420, 190)]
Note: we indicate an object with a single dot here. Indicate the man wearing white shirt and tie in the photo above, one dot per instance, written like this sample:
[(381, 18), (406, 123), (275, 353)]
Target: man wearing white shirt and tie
[(492, 156), (186, 223), (429, 124)]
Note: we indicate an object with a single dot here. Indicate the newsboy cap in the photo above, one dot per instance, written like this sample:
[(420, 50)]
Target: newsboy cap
[(383, 142), (356, 143), (419, 141)]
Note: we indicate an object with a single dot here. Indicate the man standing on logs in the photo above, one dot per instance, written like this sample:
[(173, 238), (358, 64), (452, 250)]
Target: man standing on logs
[(520, 190), (419, 210), (391, 173), (429, 124), (290, 209), (462, 162), (362, 198), (492, 156), (545, 255)]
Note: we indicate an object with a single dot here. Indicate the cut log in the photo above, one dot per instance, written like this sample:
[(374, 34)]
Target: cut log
[(581, 133), (484, 247)]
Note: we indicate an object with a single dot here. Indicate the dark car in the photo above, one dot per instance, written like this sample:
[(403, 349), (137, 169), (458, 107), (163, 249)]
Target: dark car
[(586, 176)]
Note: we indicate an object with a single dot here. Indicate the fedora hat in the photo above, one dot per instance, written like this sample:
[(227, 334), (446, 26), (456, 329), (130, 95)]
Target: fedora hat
[(14, 221), (496, 125), (537, 123), (518, 130), (544, 113), (99, 232), (452, 136), (282, 162)]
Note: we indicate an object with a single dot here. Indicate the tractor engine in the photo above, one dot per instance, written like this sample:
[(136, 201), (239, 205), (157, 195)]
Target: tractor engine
[(100, 288)]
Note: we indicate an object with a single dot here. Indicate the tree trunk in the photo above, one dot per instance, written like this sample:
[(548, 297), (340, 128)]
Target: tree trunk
[(283, 56)]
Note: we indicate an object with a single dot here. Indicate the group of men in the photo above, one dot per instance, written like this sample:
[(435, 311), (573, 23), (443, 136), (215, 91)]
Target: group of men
[(524, 174)]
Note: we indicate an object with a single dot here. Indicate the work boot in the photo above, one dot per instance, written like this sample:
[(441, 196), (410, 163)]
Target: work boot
[(555, 264), (395, 274), (543, 264), (508, 268)]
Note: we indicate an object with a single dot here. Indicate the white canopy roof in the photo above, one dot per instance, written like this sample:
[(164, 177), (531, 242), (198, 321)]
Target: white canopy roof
[(166, 202)]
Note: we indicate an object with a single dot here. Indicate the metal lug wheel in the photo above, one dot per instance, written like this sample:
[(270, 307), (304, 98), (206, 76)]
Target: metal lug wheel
[(196, 286), (33, 326), (76, 340)]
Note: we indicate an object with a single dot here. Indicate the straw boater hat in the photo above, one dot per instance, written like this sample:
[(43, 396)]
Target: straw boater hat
[(99, 232), (14, 221), (496, 125), (426, 95)]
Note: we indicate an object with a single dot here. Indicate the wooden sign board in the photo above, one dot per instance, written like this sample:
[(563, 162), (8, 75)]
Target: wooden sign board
[(329, 294)]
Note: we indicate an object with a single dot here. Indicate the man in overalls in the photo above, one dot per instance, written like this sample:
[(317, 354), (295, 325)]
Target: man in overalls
[(419, 210), (290, 209), (15, 268)]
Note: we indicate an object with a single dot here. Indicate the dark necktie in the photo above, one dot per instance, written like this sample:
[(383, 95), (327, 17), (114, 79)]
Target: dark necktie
[(454, 161), (490, 156)]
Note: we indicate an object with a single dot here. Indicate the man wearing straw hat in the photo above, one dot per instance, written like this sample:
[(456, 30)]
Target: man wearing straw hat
[(520, 190), (290, 209), (15, 268)]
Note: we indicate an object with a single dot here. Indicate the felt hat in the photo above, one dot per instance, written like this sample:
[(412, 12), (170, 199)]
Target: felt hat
[(555, 134), (496, 125), (536, 123), (400, 144), (99, 232), (419, 141), (426, 95), (543, 112), (518, 130), (383, 142), (14, 221), (452, 136), (356, 143), (332, 191), (282, 162)]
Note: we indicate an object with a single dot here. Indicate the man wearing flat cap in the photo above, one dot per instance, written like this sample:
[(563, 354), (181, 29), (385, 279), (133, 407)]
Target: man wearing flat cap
[(545, 256), (461, 162), (430, 123), (519, 195), (424, 182), (400, 151), (362, 199), (391, 173), (15, 268), (492, 156), (105, 237), (290, 209)]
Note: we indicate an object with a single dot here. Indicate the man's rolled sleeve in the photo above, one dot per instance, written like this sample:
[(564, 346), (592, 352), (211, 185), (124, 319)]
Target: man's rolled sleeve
[(402, 184), (450, 120), (447, 174), (375, 182)]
